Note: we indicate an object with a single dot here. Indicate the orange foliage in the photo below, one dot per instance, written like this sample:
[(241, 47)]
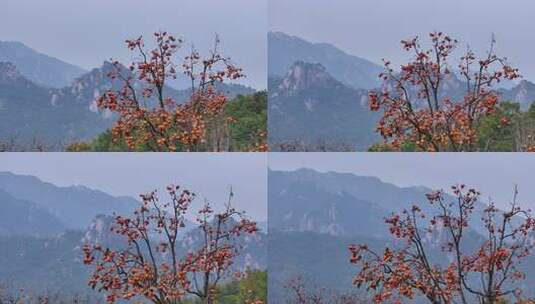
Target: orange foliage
[(169, 124), (150, 266), (406, 272), (412, 101)]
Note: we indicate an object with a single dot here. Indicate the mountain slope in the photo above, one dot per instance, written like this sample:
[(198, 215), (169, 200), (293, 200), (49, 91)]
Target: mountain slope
[(39, 68), (31, 114), (19, 217), (51, 264), (304, 207), (74, 206), (358, 195), (523, 93), (320, 259), (315, 216), (318, 96), (370, 189), (337, 204), (53, 117), (309, 105), (56, 264), (284, 50)]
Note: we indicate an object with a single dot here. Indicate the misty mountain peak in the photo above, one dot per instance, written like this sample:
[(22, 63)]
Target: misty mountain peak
[(74, 206), (525, 91), (37, 67), (99, 231), (95, 77), (303, 75), (285, 50)]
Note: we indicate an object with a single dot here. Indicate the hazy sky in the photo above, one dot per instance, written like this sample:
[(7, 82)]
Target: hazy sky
[(86, 33), (209, 175), (494, 174), (372, 29)]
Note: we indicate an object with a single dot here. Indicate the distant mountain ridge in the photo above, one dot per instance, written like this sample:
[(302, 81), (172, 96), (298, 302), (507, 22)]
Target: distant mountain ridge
[(60, 116), (51, 72), (19, 217), (318, 96), (51, 116), (37, 67), (75, 206), (43, 228), (307, 200), (314, 217), (284, 50), (350, 190), (55, 264), (523, 93), (37, 114), (309, 105)]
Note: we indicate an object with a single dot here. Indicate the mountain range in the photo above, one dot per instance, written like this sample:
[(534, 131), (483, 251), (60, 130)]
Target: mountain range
[(43, 228), (312, 110), (314, 217), (39, 68), (30, 113), (318, 96), (20, 217), (284, 50), (47, 102), (74, 206)]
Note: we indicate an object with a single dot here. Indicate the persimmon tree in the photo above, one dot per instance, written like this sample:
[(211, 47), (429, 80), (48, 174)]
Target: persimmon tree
[(150, 117), (151, 265), (414, 103), (485, 274)]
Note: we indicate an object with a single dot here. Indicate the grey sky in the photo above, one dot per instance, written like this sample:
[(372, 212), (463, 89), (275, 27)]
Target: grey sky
[(494, 174), (210, 175), (372, 29), (86, 33)]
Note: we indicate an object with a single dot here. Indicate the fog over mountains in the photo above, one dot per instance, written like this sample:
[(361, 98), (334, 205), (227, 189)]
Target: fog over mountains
[(372, 29), (312, 107), (74, 206), (315, 216), (284, 50), (44, 100), (39, 68), (20, 217), (318, 95), (43, 228)]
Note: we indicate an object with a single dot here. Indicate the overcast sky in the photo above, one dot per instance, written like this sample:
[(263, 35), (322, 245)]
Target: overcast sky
[(494, 174), (372, 29), (86, 33), (210, 175)]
